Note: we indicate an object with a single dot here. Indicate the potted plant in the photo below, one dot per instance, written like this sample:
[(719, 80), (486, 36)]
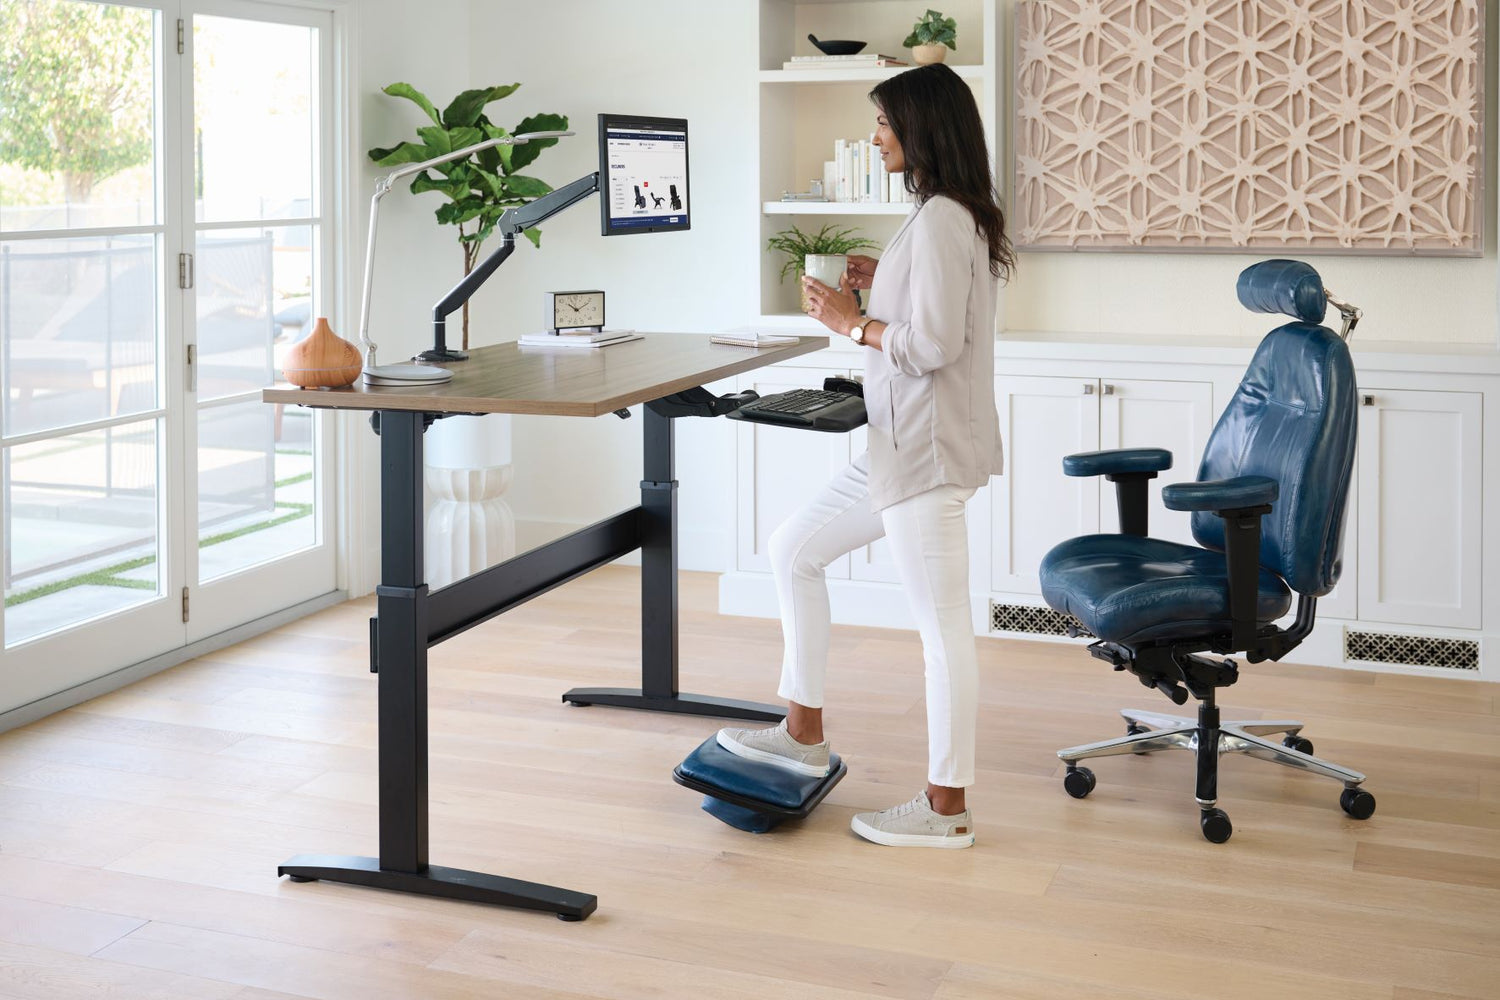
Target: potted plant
[(481, 187), (928, 37), (798, 246)]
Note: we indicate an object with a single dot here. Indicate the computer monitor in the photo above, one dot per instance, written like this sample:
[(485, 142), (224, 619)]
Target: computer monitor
[(643, 174)]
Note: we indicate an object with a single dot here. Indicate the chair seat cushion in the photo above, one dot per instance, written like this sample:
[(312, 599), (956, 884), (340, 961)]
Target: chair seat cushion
[(1124, 588)]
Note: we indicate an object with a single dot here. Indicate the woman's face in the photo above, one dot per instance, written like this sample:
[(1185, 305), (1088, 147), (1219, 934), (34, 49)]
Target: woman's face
[(890, 148)]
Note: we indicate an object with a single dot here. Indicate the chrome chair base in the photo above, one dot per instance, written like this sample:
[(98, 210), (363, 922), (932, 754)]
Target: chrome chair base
[(1149, 732)]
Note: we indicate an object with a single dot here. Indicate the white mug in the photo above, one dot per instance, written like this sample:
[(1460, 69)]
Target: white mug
[(826, 267)]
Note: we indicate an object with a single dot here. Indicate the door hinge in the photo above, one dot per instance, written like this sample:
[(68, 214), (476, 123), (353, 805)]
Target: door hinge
[(184, 604), (181, 36), (184, 270), (192, 368)]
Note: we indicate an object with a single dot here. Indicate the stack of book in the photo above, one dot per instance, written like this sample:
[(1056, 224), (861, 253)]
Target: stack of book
[(857, 174), (860, 60), (580, 338)]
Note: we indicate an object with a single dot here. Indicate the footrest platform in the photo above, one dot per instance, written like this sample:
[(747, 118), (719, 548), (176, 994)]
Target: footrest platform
[(750, 795)]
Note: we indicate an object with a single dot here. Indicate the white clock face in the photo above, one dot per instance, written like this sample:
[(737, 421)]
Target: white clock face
[(571, 309)]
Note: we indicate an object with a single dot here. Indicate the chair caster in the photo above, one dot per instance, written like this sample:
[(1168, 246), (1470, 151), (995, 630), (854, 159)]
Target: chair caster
[(1135, 729), (1216, 825), (1298, 743), (1357, 802), (1079, 781)]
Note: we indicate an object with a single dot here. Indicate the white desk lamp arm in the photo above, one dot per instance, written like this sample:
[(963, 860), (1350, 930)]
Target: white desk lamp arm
[(383, 187)]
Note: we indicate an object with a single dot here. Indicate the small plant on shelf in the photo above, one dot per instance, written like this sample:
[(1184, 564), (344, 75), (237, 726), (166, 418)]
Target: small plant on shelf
[(929, 35), (798, 246)]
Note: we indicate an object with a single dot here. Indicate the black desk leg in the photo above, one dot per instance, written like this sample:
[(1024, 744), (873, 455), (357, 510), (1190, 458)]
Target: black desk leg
[(658, 691), (402, 629)]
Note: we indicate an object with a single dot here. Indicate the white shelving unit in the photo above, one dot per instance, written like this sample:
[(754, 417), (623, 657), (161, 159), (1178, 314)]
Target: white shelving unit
[(802, 112)]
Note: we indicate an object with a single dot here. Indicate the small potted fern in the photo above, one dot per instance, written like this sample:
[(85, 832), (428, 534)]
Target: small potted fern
[(929, 36), (799, 247)]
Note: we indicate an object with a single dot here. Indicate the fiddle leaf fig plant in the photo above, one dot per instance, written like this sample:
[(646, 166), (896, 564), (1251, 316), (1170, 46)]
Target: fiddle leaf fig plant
[(933, 29), (482, 186)]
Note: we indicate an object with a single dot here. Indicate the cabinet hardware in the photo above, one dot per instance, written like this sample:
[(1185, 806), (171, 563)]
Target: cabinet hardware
[(1367, 400), (1109, 390), (1088, 388)]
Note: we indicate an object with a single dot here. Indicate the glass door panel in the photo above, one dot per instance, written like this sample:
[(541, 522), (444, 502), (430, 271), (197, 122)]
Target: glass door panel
[(259, 285), (86, 487)]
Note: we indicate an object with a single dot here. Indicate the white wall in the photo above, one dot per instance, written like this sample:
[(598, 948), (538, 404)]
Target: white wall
[(655, 57)]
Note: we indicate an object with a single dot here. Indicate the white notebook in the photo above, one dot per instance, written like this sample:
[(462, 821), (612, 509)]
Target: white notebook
[(572, 343), (752, 339)]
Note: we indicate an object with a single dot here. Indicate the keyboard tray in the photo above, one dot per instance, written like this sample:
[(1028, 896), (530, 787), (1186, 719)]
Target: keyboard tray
[(841, 416)]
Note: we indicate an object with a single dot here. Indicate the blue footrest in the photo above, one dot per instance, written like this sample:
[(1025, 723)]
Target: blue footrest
[(748, 794)]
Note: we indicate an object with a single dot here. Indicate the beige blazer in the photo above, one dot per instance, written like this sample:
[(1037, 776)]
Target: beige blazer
[(930, 392)]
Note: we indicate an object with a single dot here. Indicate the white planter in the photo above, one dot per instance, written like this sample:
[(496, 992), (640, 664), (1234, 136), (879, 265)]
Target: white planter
[(468, 469)]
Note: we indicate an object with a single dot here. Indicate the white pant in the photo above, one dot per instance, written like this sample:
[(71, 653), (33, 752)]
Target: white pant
[(929, 540)]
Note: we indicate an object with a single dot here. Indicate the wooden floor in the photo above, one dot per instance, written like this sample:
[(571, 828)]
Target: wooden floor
[(140, 833)]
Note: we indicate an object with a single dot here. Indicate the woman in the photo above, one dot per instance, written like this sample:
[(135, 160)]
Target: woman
[(934, 438)]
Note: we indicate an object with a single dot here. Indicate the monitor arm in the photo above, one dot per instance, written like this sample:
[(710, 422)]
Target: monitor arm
[(512, 222)]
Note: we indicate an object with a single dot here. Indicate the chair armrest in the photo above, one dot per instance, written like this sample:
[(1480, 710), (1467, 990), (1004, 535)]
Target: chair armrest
[(1221, 494), (1117, 462)]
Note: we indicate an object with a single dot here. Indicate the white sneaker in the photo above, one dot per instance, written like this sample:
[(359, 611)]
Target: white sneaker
[(776, 746), (914, 824)]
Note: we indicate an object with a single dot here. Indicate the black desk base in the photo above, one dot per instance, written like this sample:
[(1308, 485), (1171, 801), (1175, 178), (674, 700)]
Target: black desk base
[(452, 883), (410, 620)]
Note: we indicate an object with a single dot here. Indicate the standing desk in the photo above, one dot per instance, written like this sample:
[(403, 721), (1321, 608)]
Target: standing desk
[(409, 619)]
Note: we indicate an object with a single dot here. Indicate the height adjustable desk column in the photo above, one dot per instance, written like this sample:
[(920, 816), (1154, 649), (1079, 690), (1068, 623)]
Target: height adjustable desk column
[(409, 620)]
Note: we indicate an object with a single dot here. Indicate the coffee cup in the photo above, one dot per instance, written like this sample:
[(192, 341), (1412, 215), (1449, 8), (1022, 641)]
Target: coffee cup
[(826, 267)]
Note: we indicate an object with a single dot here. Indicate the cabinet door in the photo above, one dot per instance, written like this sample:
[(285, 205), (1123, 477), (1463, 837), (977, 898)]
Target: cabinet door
[(780, 469), (1035, 506), (1177, 416), (1419, 507)]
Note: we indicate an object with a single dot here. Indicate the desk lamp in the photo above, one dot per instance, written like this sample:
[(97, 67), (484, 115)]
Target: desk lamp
[(407, 374)]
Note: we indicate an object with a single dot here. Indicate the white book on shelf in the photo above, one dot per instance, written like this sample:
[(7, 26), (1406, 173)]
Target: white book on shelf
[(857, 57)]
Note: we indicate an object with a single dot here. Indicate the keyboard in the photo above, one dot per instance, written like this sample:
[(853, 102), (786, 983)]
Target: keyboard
[(810, 409)]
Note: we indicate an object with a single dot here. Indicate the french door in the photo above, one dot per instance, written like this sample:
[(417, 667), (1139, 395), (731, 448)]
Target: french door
[(163, 242)]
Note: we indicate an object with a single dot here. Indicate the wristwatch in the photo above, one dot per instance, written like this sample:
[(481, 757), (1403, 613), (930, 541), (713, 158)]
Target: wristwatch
[(857, 334)]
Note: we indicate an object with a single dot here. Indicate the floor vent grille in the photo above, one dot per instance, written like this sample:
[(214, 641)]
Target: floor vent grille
[(1411, 650), (1032, 619)]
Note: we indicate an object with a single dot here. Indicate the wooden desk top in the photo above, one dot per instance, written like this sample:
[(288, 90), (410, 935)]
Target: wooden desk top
[(559, 381)]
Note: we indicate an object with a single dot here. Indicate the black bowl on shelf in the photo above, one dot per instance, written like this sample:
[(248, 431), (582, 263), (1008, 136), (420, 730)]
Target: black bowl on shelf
[(842, 47)]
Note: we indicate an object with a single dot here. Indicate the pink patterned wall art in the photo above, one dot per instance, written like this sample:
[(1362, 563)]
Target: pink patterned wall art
[(1318, 125)]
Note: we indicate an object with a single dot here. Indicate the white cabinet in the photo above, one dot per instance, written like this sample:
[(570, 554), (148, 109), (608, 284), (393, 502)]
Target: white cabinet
[(780, 469), (1043, 418), (1420, 507)]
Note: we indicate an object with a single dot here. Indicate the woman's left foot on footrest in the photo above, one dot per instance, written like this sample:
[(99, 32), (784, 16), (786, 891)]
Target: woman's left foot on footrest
[(776, 746)]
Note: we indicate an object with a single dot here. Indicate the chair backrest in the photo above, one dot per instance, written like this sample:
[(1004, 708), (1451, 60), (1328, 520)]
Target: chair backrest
[(1293, 419)]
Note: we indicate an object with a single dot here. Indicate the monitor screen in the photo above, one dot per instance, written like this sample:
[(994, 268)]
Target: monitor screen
[(643, 174)]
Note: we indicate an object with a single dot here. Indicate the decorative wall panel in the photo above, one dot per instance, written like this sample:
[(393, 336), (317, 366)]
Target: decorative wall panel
[(1221, 124)]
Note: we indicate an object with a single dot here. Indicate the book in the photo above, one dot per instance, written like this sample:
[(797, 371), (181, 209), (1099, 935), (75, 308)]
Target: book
[(574, 343), (841, 62), (857, 57), (583, 336), (752, 339)]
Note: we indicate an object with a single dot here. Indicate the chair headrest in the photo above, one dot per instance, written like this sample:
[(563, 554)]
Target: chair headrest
[(1283, 286)]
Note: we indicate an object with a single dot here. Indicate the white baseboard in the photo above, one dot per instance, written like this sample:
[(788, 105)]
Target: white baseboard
[(77, 695)]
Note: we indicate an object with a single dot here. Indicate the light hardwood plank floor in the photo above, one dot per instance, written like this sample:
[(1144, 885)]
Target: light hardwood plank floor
[(140, 832)]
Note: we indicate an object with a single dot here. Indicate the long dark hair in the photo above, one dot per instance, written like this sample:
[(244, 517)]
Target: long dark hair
[(937, 123)]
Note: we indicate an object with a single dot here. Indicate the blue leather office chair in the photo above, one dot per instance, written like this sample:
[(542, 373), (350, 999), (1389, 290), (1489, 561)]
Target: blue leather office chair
[(1268, 516)]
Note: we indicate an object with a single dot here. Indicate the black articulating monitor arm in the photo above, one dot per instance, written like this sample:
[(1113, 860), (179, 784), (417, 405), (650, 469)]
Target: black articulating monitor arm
[(514, 221)]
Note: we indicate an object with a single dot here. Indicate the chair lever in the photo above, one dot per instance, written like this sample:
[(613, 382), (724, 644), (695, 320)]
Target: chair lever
[(1168, 687)]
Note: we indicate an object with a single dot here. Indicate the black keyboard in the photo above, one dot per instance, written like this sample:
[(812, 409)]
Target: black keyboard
[(811, 409)]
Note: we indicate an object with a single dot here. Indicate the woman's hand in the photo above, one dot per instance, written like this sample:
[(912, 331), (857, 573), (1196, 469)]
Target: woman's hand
[(861, 272), (835, 309)]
